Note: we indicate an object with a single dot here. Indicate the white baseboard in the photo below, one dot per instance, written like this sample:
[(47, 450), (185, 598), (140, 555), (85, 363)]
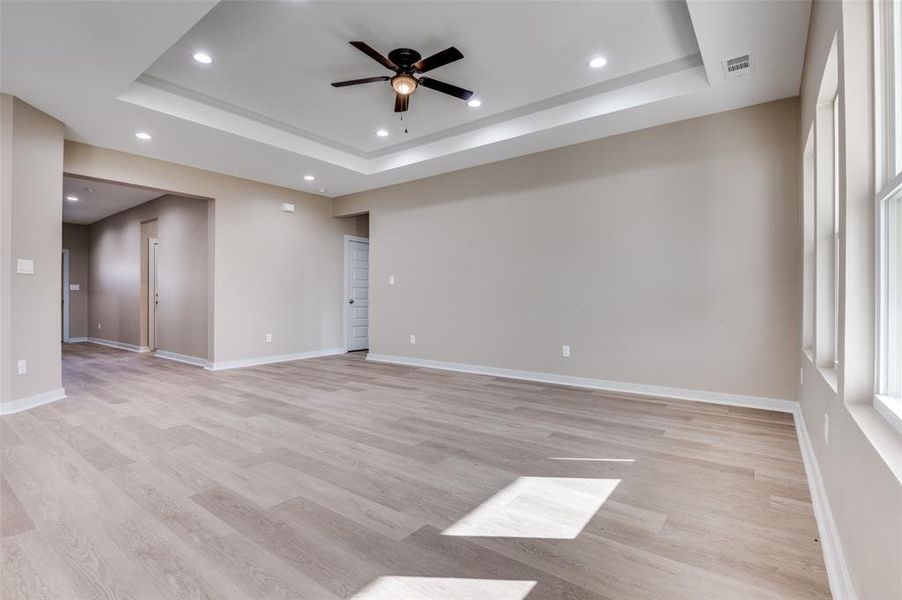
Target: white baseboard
[(8, 408), (837, 569), (182, 358), (775, 404), (266, 360), (834, 560), (119, 345), (76, 340)]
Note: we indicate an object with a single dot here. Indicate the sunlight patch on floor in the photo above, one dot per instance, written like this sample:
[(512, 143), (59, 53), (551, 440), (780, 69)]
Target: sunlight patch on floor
[(537, 507), (395, 587)]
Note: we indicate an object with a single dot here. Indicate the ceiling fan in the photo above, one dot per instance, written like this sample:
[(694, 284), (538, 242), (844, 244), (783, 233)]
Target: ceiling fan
[(407, 64)]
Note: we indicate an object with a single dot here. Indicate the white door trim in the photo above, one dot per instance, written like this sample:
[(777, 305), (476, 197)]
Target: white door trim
[(345, 291), (152, 292), (65, 295)]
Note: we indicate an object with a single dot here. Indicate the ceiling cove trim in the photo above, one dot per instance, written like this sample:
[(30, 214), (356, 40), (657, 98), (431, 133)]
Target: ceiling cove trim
[(178, 90), (668, 80), (603, 87)]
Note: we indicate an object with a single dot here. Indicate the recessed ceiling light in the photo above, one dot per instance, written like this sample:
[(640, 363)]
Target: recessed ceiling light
[(382, 132), (203, 58), (142, 135), (309, 177), (474, 103), (72, 198), (598, 62)]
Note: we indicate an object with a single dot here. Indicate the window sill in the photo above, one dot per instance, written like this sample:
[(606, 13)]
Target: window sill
[(830, 376), (890, 409)]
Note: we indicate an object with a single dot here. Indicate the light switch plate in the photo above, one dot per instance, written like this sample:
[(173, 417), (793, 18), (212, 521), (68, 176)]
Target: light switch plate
[(287, 207), (391, 280), (74, 287), (413, 339), (22, 366), (565, 351), (25, 266), (268, 338)]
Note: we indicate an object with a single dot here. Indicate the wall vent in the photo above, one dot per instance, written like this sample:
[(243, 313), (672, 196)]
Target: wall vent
[(738, 65)]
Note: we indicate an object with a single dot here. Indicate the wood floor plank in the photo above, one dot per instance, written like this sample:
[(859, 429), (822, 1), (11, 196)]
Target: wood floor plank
[(318, 478), (15, 519)]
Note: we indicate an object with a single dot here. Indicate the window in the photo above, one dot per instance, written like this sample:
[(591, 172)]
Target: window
[(888, 86), (896, 69), (891, 297), (809, 246), (827, 224), (835, 266)]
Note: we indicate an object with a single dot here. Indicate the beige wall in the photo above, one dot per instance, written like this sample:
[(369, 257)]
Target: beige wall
[(665, 257), (363, 225), (76, 241), (32, 188), (7, 363), (857, 466), (119, 270), (272, 272)]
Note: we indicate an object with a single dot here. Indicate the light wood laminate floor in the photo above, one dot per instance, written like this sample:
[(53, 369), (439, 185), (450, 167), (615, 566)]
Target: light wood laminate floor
[(338, 478)]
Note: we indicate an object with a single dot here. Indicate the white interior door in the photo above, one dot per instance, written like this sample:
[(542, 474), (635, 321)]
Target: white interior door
[(153, 296), (358, 286)]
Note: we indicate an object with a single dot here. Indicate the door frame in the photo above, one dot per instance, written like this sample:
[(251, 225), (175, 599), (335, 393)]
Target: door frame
[(152, 293), (346, 307), (65, 296)]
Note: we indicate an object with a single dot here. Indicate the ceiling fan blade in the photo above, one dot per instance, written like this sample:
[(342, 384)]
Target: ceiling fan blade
[(369, 51), (402, 101), (359, 81), (438, 59), (446, 88)]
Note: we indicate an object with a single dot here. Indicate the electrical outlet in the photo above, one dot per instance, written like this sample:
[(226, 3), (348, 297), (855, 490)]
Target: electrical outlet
[(268, 338), (802, 376), (22, 366), (391, 280), (413, 339), (98, 325), (565, 351), (826, 429)]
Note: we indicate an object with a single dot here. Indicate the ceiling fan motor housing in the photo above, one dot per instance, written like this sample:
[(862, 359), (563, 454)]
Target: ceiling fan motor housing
[(405, 58)]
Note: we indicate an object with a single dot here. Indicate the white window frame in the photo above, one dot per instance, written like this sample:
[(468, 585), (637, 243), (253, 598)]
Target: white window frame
[(888, 178), (826, 266), (810, 245), (836, 228)]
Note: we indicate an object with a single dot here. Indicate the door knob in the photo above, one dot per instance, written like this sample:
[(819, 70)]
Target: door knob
[(351, 301)]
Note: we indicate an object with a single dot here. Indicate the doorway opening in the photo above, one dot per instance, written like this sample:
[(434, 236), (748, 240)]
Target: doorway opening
[(357, 293), (151, 298), (143, 261), (64, 300), (356, 309)]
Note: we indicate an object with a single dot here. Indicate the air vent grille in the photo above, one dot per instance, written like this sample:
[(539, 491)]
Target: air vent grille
[(737, 66)]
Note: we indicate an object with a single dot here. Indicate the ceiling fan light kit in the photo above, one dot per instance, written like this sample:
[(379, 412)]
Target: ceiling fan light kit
[(407, 65), (404, 84)]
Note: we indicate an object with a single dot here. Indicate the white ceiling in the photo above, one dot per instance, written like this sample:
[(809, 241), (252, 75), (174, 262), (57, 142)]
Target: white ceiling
[(264, 109), (285, 76), (99, 199)]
